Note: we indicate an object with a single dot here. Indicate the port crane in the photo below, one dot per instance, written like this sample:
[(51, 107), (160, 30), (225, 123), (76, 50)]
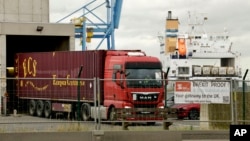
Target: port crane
[(91, 24)]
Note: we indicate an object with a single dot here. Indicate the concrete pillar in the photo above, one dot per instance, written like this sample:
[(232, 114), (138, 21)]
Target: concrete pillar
[(204, 116), (2, 71)]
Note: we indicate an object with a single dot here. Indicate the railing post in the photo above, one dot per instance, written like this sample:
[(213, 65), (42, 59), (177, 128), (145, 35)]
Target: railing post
[(98, 101), (166, 124), (78, 94), (243, 97), (233, 104)]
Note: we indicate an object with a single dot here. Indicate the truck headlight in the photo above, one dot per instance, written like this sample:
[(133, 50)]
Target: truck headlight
[(127, 107), (161, 107)]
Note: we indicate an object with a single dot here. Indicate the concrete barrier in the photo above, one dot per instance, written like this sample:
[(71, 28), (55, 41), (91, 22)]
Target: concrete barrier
[(119, 136)]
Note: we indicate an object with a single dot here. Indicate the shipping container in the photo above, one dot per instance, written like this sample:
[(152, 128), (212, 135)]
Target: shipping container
[(76, 81), (58, 72)]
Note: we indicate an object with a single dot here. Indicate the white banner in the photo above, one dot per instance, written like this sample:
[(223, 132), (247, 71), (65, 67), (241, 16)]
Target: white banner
[(202, 92)]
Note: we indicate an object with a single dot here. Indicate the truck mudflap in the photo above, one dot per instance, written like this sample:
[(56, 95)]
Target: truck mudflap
[(146, 114)]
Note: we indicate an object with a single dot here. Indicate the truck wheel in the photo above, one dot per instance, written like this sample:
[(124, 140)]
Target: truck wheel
[(111, 115), (85, 112), (193, 114), (47, 109), (32, 107), (39, 108)]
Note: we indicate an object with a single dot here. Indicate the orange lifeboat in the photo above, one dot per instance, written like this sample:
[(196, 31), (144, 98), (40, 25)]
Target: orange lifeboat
[(182, 50)]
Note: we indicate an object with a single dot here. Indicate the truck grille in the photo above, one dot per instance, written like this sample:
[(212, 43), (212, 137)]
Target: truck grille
[(145, 96), (145, 105)]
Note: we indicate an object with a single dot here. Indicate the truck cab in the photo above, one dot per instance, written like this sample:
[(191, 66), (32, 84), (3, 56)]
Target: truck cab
[(134, 82)]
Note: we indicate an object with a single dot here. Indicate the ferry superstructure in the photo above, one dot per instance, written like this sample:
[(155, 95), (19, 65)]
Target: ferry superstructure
[(197, 54)]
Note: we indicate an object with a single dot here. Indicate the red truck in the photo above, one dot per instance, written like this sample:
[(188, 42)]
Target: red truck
[(51, 82)]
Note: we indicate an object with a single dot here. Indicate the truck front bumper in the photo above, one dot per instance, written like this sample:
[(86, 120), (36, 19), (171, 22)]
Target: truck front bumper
[(146, 114)]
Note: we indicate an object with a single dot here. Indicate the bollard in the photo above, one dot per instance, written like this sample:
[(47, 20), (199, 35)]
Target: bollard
[(15, 113), (166, 125), (125, 125)]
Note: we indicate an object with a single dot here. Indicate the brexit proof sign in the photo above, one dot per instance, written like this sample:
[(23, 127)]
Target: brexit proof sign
[(202, 92), (239, 132)]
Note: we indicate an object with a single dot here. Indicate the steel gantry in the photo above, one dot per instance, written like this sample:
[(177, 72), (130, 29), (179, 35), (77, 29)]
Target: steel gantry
[(91, 25)]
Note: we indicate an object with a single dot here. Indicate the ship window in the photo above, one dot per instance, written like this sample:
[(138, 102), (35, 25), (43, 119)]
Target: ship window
[(183, 70)]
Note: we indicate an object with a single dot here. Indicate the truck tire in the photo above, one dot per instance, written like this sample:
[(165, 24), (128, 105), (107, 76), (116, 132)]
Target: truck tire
[(85, 111), (32, 107), (47, 109), (111, 115), (39, 108)]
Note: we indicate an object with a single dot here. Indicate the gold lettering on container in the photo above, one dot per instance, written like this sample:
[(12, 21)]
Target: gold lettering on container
[(66, 82), (29, 67)]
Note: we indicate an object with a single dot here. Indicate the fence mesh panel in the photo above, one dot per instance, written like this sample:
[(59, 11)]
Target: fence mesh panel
[(142, 113)]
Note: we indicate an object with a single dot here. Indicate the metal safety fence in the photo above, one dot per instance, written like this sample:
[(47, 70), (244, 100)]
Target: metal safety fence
[(71, 104)]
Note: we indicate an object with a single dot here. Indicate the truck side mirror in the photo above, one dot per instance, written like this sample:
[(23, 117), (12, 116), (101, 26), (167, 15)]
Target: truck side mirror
[(165, 77), (118, 78)]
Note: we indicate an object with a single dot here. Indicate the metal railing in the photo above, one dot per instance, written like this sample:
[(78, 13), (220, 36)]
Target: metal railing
[(15, 116)]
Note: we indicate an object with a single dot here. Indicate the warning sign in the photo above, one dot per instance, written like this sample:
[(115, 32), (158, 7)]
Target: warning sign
[(202, 92)]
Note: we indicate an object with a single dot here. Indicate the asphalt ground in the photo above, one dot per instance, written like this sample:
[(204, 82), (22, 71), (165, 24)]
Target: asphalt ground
[(27, 123)]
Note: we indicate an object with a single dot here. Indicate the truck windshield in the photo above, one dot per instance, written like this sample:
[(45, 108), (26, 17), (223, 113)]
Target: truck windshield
[(149, 78)]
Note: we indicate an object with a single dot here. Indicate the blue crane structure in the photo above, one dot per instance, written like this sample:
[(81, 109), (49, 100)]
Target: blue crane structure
[(102, 28)]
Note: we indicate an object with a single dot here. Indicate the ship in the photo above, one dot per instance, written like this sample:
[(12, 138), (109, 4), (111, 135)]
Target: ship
[(195, 53)]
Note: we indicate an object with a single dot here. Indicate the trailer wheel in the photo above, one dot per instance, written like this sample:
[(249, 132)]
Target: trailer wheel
[(47, 109), (32, 107), (39, 108), (85, 111)]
